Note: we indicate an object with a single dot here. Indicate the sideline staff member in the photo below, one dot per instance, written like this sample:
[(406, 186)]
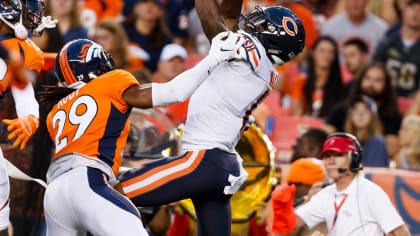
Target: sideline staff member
[(353, 205)]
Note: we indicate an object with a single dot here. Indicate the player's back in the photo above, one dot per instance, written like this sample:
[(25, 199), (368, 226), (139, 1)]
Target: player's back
[(93, 120), (220, 108)]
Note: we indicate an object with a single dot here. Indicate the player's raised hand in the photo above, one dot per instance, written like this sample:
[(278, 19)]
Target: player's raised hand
[(225, 45), (23, 129)]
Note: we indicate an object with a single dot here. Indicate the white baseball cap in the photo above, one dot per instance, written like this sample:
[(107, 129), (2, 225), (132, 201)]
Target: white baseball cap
[(172, 50)]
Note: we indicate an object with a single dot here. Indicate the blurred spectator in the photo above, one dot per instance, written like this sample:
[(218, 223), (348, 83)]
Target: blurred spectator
[(171, 64), (309, 144), (68, 27), (322, 9), (314, 94), (198, 42), (378, 8), (355, 21), (400, 52), (304, 173), (409, 137), (414, 108), (311, 30), (375, 83), (112, 37), (147, 30), (355, 55), (363, 122), (399, 6), (382, 10), (177, 18), (93, 11)]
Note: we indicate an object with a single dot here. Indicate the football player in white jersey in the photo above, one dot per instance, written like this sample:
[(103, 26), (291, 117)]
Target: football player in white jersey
[(210, 171)]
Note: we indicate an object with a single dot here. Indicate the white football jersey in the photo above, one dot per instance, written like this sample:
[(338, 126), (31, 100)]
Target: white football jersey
[(219, 109)]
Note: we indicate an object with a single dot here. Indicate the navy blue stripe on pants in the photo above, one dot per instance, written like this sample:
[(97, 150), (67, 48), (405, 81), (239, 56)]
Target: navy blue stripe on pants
[(98, 185), (204, 186)]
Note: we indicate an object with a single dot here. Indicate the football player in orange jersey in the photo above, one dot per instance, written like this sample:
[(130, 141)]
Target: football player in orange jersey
[(89, 124), (17, 19)]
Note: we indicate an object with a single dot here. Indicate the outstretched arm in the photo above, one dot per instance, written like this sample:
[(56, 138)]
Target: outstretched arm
[(177, 90), (224, 47)]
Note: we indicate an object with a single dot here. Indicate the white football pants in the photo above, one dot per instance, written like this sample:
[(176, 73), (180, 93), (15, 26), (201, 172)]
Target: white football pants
[(81, 200)]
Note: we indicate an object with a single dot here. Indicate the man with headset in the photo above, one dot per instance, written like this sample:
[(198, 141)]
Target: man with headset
[(352, 205)]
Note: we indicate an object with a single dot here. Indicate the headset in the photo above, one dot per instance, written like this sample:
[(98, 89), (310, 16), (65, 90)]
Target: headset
[(356, 157)]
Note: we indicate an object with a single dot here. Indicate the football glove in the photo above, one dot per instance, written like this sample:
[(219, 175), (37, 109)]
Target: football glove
[(225, 45), (21, 129)]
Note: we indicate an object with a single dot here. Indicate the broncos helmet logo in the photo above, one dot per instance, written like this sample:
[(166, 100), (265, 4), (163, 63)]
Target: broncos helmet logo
[(89, 51), (83, 52)]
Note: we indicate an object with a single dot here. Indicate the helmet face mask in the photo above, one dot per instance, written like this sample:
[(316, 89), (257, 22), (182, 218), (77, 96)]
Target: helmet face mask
[(22, 15), (279, 30), (251, 21), (81, 61), (32, 12), (10, 9)]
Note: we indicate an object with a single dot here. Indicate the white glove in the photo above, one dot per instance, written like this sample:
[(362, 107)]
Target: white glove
[(225, 45), (46, 23)]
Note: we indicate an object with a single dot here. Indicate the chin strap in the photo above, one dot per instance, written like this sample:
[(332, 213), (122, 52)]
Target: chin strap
[(20, 31), (277, 61)]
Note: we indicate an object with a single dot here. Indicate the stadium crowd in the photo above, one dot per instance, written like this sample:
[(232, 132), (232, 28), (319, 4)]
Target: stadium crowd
[(359, 74)]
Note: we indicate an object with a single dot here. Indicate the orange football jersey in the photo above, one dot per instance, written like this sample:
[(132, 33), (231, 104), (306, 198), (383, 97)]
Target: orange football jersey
[(93, 120), (32, 56)]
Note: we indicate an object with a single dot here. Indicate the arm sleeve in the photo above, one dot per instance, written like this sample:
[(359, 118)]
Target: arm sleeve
[(383, 211), (183, 86), (312, 213), (25, 101)]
